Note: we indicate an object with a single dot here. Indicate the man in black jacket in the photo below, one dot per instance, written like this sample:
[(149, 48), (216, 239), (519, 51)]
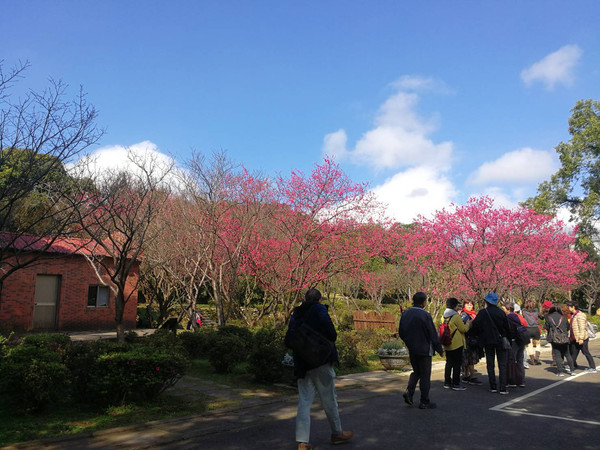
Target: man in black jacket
[(490, 326), (420, 336), (316, 379)]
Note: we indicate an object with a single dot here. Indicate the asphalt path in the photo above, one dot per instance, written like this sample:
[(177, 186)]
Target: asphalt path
[(549, 413)]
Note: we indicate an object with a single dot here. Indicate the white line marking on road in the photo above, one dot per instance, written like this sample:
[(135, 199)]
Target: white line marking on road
[(502, 407)]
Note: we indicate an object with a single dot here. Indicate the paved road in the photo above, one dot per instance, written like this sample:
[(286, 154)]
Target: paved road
[(549, 413)]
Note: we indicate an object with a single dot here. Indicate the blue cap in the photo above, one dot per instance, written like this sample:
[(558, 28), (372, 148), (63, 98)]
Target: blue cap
[(491, 298)]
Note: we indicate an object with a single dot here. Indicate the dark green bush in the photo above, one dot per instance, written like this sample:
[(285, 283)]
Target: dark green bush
[(226, 351), (141, 373), (266, 355), (244, 334), (346, 344), (58, 343), (147, 317), (346, 322), (33, 377), (197, 343), (163, 339)]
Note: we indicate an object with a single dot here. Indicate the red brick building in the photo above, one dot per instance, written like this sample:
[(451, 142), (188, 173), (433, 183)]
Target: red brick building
[(61, 291)]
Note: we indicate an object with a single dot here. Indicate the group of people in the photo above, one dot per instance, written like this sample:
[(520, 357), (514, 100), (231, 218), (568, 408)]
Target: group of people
[(496, 331), (505, 334)]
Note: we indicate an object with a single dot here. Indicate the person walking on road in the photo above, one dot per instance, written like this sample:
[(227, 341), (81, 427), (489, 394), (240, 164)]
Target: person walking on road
[(558, 329), (420, 336), (320, 379), (491, 327), (454, 351), (580, 337)]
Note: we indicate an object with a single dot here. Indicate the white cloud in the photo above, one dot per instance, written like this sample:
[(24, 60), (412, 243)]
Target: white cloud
[(115, 158), (417, 191), (418, 83), (525, 165), (556, 68), (399, 138)]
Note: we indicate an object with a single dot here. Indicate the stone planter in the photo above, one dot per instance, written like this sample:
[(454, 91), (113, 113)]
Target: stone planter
[(395, 362)]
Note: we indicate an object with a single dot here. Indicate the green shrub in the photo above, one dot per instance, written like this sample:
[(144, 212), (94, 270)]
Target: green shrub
[(243, 333), (58, 343), (80, 360), (163, 339), (147, 317), (141, 373), (226, 351), (33, 377), (197, 343), (346, 322), (347, 347), (267, 354)]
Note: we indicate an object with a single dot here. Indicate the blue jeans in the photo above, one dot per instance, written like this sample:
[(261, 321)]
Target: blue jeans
[(322, 381)]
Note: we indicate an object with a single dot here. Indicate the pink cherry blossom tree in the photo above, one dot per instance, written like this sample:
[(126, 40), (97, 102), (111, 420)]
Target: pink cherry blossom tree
[(472, 249)]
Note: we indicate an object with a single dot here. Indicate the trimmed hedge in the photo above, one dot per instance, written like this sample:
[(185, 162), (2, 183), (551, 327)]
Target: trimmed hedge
[(266, 356)]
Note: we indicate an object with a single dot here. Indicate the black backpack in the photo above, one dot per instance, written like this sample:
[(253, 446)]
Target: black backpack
[(307, 343), (557, 335)]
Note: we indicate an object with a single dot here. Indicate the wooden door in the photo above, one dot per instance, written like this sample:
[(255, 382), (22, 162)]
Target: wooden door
[(46, 302)]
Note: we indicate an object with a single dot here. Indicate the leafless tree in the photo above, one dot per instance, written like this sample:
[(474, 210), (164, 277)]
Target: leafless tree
[(117, 216), (39, 134)]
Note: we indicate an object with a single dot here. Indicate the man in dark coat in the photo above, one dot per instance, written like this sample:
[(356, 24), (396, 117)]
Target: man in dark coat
[(316, 379), (418, 332), (490, 326)]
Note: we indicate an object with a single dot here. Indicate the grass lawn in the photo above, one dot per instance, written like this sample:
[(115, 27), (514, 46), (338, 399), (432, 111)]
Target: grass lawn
[(63, 421)]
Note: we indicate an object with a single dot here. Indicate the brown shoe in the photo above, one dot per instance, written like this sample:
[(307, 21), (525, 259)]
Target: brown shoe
[(303, 446), (341, 438)]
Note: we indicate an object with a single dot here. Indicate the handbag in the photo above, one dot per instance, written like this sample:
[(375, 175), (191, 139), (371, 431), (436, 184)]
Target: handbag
[(514, 373), (590, 330)]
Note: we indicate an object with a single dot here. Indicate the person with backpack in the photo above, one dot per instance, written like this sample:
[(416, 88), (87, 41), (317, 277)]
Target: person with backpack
[(418, 332), (453, 341), (580, 337), (531, 315), (315, 377), (558, 329), (491, 328)]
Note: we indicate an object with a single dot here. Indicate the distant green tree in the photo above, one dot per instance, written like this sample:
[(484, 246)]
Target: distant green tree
[(576, 185)]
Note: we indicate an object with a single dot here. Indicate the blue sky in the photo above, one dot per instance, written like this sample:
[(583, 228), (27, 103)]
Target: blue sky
[(428, 102)]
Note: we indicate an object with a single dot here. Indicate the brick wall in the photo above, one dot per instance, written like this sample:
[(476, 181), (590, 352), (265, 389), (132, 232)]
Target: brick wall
[(18, 294)]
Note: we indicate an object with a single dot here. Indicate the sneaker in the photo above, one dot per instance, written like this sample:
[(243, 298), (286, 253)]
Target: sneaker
[(511, 385), (591, 371), (572, 374), (447, 386), (526, 365), (458, 387), (407, 398), (560, 374), (504, 392), (537, 362), (522, 385), (304, 446), (341, 438), (429, 405), (567, 370), (493, 389), (475, 382), (466, 379)]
